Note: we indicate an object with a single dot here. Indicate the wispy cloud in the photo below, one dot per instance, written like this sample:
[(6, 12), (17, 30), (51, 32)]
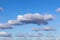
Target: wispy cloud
[(44, 29)]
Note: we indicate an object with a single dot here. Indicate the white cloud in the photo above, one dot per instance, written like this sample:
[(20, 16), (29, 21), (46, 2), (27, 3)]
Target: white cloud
[(35, 18), (4, 34), (5, 26), (20, 35), (58, 10)]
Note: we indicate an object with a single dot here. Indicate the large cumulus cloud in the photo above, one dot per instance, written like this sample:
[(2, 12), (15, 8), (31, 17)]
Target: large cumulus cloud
[(32, 19)]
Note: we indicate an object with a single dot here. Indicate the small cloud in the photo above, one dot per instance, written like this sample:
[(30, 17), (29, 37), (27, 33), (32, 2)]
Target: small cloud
[(5, 34), (58, 10), (43, 29), (1, 9), (48, 29), (5, 26)]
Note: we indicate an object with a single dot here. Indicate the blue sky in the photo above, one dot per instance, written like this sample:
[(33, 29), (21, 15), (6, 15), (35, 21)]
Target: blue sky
[(13, 8)]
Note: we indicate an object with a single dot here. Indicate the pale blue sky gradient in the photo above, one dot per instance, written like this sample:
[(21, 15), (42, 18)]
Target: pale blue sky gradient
[(12, 8)]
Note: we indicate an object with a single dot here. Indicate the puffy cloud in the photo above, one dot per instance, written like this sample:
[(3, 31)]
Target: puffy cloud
[(58, 10), (34, 18), (5, 26), (5, 34), (1, 9)]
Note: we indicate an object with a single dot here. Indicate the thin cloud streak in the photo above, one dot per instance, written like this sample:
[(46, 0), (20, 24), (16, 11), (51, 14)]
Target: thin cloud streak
[(43, 29)]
